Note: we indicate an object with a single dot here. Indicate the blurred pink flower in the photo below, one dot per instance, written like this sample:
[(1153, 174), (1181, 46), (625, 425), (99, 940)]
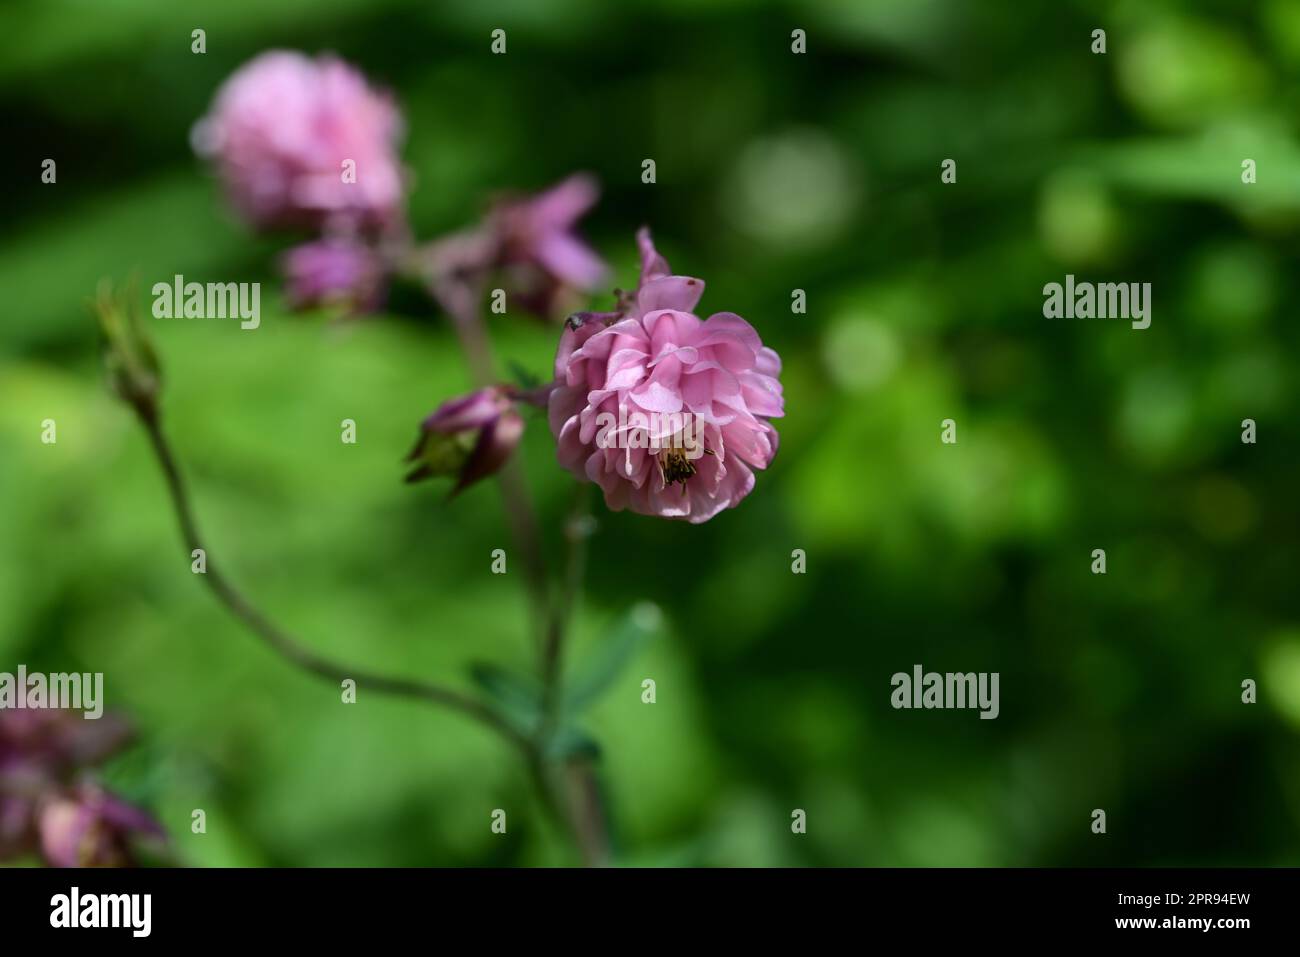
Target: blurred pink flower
[(334, 271), (538, 249), (655, 355), (280, 132), (469, 438)]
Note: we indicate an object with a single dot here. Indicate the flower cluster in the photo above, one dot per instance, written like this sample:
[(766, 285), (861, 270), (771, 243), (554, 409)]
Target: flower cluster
[(49, 804), (303, 143), (284, 132), (669, 413)]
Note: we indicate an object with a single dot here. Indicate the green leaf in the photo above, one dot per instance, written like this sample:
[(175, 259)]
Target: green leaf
[(617, 650), (515, 696)]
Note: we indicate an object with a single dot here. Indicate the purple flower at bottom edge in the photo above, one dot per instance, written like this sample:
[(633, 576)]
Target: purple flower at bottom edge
[(58, 740), (42, 754), (91, 828)]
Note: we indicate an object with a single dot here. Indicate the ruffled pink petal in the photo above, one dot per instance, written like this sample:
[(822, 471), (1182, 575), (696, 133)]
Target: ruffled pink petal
[(661, 392), (681, 293), (762, 395), (769, 363)]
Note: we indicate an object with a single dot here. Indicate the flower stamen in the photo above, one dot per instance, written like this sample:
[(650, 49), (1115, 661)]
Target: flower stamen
[(676, 463), (674, 466)]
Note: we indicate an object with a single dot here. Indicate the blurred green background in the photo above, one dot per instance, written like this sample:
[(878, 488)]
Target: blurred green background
[(775, 172)]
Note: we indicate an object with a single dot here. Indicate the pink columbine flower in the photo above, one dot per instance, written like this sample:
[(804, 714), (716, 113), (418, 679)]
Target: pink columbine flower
[(287, 133), (537, 246), (668, 413), (469, 437), (334, 271)]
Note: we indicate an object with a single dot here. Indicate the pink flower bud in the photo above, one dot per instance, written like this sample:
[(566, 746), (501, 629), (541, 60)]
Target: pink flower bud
[(469, 437)]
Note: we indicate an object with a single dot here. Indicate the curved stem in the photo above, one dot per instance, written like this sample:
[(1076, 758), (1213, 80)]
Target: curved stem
[(284, 644)]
